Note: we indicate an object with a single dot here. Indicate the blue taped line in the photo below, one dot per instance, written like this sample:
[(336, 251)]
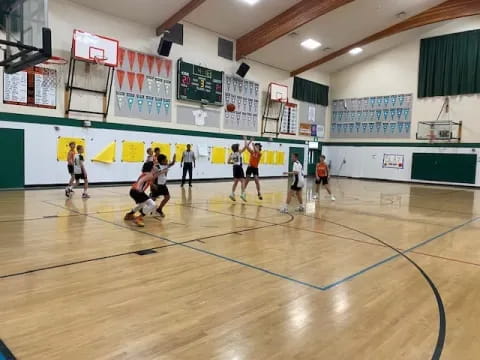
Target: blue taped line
[(327, 287)]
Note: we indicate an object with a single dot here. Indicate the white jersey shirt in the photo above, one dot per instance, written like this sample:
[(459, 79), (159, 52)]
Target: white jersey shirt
[(77, 163), (237, 158), (299, 179), (162, 178)]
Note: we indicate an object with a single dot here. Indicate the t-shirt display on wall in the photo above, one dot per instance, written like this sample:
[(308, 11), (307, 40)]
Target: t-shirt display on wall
[(36, 86), (143, 86), (372, 117), (289, 119), (244, 94), (199, 84)]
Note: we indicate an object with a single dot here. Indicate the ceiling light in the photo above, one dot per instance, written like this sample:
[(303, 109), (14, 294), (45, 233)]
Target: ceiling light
[(311, 44), (356, 51), (251, 2)]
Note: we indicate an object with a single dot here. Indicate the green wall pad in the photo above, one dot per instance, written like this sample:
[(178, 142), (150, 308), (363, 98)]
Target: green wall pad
[(454, 168)]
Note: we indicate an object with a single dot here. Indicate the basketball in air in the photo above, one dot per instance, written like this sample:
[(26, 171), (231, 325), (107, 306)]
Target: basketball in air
[(230, 107)]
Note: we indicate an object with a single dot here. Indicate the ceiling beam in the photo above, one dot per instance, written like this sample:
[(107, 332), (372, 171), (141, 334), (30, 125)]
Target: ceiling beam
[(289, 20), (179, 15), (449, 10)]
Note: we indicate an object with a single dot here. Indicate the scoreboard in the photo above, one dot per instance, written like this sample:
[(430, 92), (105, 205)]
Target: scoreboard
[(199, 84)]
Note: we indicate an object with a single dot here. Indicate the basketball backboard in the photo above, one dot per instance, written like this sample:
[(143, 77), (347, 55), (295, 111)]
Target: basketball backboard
[(25, 36)]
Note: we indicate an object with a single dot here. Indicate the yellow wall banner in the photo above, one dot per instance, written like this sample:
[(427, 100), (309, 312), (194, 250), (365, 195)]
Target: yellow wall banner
[(246, 157), (271, 157), (63, 147), (280, 158), (133, 151), (179, 149), (165, 149), (107, 155), (218, 155)]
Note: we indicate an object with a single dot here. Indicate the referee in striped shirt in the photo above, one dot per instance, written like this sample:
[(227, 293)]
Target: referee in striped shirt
[(188, 163)]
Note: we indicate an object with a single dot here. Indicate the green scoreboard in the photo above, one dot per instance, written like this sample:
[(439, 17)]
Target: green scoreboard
[(199, 84)]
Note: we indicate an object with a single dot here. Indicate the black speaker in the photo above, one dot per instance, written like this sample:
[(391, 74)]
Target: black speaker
[(242, 70), (164, 47)]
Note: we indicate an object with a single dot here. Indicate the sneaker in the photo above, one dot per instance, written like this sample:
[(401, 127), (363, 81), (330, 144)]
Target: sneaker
[(333, 198), (67, 192), (315, 197), (232, 197), (85, 196), (189, 185), (300, 208), (139, 221), (181, 185), (243, 197), (160, 213), (260, 197), (129, 216), (284, 210)]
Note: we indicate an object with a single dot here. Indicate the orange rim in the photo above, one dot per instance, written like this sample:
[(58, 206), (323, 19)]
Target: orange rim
[(56, 60)]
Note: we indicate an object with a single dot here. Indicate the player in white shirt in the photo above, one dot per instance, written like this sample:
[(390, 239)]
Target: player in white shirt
[(80, 172), (297, 185), (160, 188), (236, 160)]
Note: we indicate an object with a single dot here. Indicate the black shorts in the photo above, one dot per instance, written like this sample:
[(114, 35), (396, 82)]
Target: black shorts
[(322, 180), (159, 190), (70, 169), (138, 196), (295, 186), (252, 171), (80, 176), (238, 172)]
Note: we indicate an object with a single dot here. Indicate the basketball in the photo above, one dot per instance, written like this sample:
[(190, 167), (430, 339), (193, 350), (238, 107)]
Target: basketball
[(230, 107)]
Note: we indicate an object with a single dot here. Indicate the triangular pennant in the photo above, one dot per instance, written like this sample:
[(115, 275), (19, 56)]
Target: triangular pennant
[(120, 99), (131, 79), (159, 62), (166, 102), (140, 100), (159, 83), (168, 65), (130, 100), (120, 77), (131, 58), (150, 61), (140, 80), (149, 104), (141, 61), (158, 104), (107, 155), (150, 83), (121, 56)]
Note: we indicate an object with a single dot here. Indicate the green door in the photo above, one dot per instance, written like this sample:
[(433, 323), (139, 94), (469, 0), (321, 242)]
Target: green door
[(301, 156), (11, 159)]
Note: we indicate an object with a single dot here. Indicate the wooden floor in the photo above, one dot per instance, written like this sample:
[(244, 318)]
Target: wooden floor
[(388, 271)]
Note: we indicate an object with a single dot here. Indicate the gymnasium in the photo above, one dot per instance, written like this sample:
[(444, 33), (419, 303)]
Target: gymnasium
[(239, 179)]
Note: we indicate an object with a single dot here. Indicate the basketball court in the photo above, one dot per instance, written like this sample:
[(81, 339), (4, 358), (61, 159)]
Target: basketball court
[(387, 268)]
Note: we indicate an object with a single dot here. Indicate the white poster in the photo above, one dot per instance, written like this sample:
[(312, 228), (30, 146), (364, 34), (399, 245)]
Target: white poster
[(311, 113), (15, 87)]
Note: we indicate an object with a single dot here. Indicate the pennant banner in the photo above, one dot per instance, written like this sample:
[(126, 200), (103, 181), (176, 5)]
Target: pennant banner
[(141, 61), (107, 155), (131, 58), (150, 61), (140, 80), (120, 77), (131, 79)]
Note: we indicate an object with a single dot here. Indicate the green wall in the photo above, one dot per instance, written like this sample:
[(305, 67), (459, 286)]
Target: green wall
[(455, 168)]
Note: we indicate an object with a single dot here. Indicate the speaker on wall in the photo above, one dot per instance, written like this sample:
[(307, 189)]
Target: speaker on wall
[(242, 70), (164, 47)]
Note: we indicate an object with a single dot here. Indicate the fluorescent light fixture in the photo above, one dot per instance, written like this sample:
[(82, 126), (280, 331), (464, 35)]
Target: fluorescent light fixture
[(311, 44), (251, 2), (356, 51)]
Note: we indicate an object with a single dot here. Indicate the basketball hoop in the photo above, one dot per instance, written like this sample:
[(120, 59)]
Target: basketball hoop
[(100, 60), (53, 71)]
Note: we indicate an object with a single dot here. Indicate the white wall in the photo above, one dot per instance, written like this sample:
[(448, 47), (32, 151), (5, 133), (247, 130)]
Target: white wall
[(366, 161), (396, 71), (42, 167), (200, 47)]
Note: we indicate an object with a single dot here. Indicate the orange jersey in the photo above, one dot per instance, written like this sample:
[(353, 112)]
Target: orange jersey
[(255, 159), (143, 182), (71, 157), (322, 169)]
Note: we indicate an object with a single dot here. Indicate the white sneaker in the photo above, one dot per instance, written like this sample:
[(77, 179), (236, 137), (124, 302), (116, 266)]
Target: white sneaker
[(284, 210), (300, 208), (85, 196), (232, 197), (333, 198), (315, 197), (243, 197)]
